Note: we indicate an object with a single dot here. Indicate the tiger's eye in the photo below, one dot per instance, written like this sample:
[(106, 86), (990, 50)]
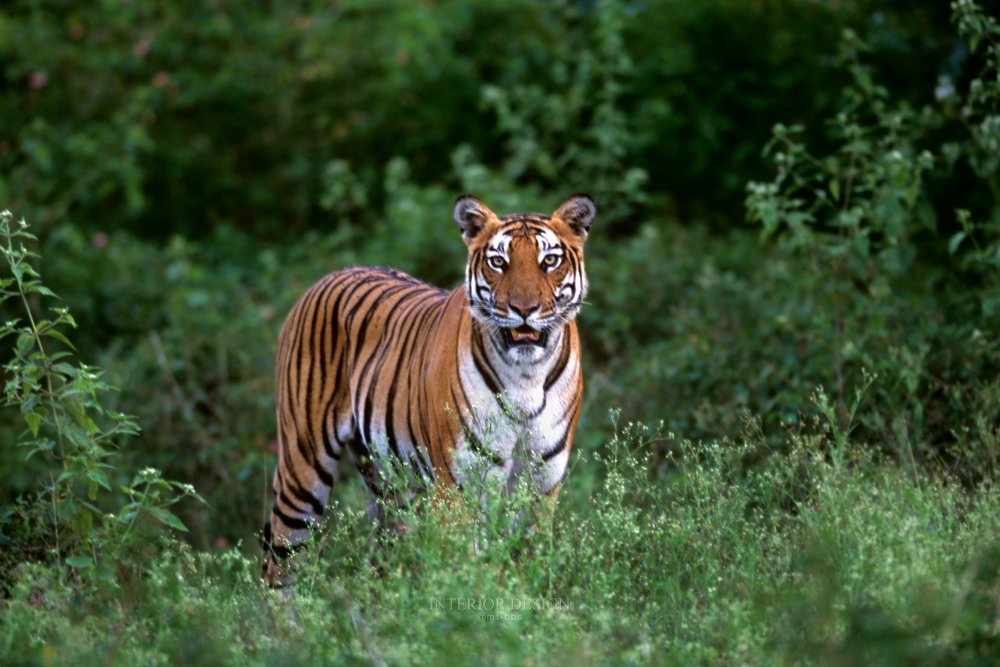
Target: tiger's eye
[(497, 262), (551, 261)]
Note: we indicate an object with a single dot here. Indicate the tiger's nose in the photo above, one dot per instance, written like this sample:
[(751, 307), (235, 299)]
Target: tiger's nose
[(524, 308)]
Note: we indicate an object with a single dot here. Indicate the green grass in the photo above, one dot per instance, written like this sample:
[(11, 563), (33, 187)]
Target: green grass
[(797, 560)]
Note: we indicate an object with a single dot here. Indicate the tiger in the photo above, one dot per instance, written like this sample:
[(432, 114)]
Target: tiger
[(381, 366)]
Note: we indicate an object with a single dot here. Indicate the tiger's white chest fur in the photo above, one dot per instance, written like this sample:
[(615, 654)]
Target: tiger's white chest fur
[(524, 431)]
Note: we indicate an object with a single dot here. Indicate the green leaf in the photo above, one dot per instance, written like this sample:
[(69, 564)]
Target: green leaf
[(80, 415), (39, 446), (90, 425), (29, 402), (80, 562), (34, 420), (24, 344), (169, 518), (8, 329), (99, 477), (53, 333), (63, 368), (956, 240)]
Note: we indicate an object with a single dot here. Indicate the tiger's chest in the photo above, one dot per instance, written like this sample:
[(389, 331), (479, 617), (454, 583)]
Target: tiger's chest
[(483, 418), (525, 430)]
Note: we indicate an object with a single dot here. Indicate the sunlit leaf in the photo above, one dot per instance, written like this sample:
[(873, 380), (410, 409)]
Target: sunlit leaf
[(80, 562)]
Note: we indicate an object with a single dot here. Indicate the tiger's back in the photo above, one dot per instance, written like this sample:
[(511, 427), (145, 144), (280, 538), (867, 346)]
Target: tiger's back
[(378, 365), (331, 379)]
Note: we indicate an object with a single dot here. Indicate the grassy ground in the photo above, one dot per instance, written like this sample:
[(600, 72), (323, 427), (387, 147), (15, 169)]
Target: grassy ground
[(808, 559)]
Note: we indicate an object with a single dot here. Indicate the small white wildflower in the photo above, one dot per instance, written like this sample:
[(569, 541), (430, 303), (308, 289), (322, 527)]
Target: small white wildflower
[(943, 89)]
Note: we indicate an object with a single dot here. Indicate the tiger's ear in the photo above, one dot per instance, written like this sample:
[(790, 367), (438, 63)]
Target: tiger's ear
[(577, 213), (472, 216)]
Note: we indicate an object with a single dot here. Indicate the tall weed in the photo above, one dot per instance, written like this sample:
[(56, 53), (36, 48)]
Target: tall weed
[(84, 513)]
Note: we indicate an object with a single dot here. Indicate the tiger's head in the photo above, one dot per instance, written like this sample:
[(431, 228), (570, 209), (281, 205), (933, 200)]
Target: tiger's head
[(525, 276)]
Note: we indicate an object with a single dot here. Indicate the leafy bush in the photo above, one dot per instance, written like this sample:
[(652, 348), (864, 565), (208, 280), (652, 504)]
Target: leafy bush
[(178, 117), (70, 428), (856, 215)]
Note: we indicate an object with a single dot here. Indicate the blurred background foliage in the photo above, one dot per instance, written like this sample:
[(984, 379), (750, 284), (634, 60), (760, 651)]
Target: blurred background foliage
[(190, 167), (165, 118)]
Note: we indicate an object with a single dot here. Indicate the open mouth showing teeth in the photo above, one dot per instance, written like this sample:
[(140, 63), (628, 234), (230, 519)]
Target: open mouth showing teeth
[(524, 335)]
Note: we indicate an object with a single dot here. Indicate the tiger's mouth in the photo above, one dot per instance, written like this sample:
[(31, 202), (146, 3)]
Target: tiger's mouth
[(524, 335)]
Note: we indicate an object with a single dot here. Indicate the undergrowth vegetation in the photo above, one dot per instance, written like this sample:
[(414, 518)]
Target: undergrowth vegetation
[(791, 427), (801, 559)]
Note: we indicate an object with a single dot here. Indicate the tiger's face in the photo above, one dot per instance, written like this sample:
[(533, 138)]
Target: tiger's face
[(525, 277)]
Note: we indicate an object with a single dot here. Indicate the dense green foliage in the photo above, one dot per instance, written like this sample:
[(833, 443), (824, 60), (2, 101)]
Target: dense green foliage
[(795, 273), (187, 115)]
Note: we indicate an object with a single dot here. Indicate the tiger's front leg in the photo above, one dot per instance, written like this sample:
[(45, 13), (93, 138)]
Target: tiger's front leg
[(547, 471)]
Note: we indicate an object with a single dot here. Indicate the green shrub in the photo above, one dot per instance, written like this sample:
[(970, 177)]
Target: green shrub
[(66, 519), (179, 117), (859, 217)]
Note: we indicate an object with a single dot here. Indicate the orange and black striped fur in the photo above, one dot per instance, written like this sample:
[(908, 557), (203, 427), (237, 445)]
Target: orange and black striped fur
[(375, 364)]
